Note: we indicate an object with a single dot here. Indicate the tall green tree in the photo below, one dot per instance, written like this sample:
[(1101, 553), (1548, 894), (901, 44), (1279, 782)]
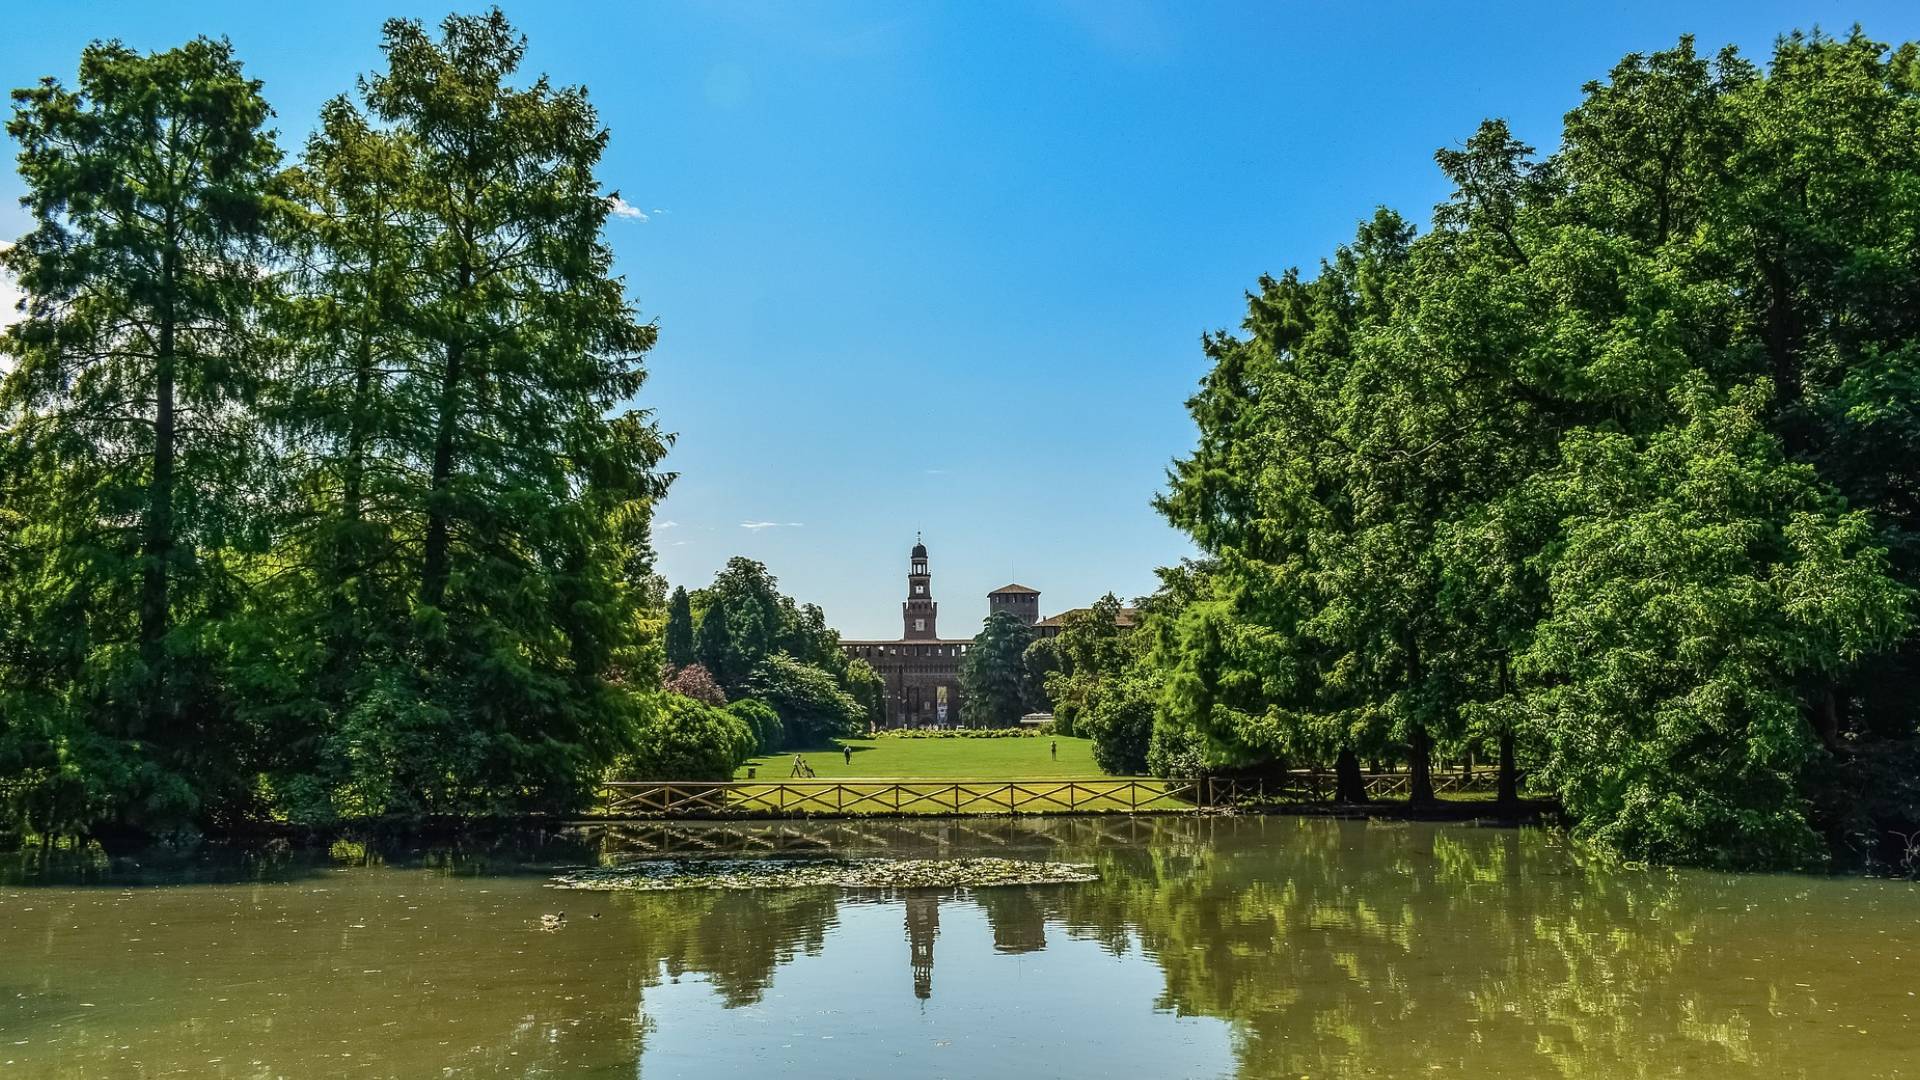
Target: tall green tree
[(333, 597), (812, 706), (127, 418), (716, 646), (523, 479), (1437, 483), (1304, 642), (993, 674), (1089, 648), (679, 633)]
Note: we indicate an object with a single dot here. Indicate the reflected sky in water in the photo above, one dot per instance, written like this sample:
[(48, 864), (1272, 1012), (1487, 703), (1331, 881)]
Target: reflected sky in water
[(1258, 947)]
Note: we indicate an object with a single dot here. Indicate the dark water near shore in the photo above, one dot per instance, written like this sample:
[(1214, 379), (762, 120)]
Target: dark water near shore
[(1260, 947)]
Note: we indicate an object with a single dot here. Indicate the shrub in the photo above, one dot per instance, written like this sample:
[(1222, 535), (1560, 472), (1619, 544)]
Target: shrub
[(683, 739), (761, 719), (1118, 717)]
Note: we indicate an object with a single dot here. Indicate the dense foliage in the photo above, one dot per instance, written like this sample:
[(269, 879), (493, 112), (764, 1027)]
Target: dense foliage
[(323, 496), (769, 731), (1608, 477), (813, 708), (756, 641), (130, 447), (995, 691), (685, 739)]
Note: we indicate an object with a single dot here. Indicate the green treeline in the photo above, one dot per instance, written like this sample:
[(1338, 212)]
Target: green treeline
[(320, 495), (741, 647), (1611, 477)]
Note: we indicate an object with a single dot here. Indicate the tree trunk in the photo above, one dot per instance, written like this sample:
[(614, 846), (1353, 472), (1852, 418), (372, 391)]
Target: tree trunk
[(1419, 743), (434, 566), (1350, 785), (1420, 767), (348, 601), (1509, 772), (157, 542), (1827, 718), (1509, 793)]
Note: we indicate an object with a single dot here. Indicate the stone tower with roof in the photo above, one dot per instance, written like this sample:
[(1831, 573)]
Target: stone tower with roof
[(1018, 600), (918, 612)]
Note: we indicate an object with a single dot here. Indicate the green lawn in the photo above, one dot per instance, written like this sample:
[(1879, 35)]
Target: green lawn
[(941, 759)]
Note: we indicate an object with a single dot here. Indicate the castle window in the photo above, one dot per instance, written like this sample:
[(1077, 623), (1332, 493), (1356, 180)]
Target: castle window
[(919, 624)]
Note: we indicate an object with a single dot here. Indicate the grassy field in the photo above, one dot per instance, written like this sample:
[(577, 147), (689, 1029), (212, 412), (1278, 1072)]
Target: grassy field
[(939, 759)]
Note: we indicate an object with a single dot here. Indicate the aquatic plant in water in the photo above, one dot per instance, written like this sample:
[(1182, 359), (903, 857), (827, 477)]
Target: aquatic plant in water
[(662, 874)]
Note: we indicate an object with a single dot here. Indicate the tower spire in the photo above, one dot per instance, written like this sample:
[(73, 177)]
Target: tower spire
[(919, 611)]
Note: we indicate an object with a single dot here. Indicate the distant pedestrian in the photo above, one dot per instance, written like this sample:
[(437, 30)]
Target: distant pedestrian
[(1055, 749), (847, 753)]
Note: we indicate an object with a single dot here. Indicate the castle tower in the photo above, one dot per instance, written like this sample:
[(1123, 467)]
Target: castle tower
[(1023, 603), (919, 610)]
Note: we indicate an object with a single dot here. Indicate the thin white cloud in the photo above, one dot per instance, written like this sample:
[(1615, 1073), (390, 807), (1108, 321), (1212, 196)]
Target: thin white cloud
[(659, 525), (622, 208), (756, 526)]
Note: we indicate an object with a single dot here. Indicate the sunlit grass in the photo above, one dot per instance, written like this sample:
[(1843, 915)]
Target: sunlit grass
[(944, 759)]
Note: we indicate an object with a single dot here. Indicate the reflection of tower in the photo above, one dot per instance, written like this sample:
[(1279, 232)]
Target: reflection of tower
[(923, 925)]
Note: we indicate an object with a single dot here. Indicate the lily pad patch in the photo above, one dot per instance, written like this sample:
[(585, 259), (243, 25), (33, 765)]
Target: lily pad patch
[(655, 875)]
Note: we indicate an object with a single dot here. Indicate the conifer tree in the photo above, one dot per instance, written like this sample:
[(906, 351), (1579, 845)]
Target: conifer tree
[(993, 673), (128, 423), (521, 482), (679, 634)]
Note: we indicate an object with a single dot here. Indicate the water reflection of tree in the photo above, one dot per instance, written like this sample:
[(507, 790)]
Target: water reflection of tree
[(1345, 949), (1356, 949), (1017, 917), (737, 940)]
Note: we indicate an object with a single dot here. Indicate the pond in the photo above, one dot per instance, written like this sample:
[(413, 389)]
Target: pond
[(1257, 947)]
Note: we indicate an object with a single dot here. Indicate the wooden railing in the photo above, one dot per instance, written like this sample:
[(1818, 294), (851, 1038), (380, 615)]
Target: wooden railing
[(700, 798), (667, 797)]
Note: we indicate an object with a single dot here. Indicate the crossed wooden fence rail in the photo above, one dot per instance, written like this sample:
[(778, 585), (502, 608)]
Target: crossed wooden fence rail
[(654, 798), (628, 798)]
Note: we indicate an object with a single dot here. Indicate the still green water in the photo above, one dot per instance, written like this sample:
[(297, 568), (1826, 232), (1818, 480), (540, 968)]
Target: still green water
[(1258, 947)]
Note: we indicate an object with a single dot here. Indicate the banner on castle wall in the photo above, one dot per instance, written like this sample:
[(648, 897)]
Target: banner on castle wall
[(940, 696)]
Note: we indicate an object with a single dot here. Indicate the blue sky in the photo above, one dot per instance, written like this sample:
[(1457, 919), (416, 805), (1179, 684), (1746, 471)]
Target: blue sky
[(944, 267)]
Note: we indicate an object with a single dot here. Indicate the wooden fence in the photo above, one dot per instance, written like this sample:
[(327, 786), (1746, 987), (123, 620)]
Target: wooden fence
[(697, 798), (647, 798)]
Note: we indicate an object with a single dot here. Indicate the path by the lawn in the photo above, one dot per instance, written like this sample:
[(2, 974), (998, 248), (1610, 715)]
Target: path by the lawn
[(940, 759)]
